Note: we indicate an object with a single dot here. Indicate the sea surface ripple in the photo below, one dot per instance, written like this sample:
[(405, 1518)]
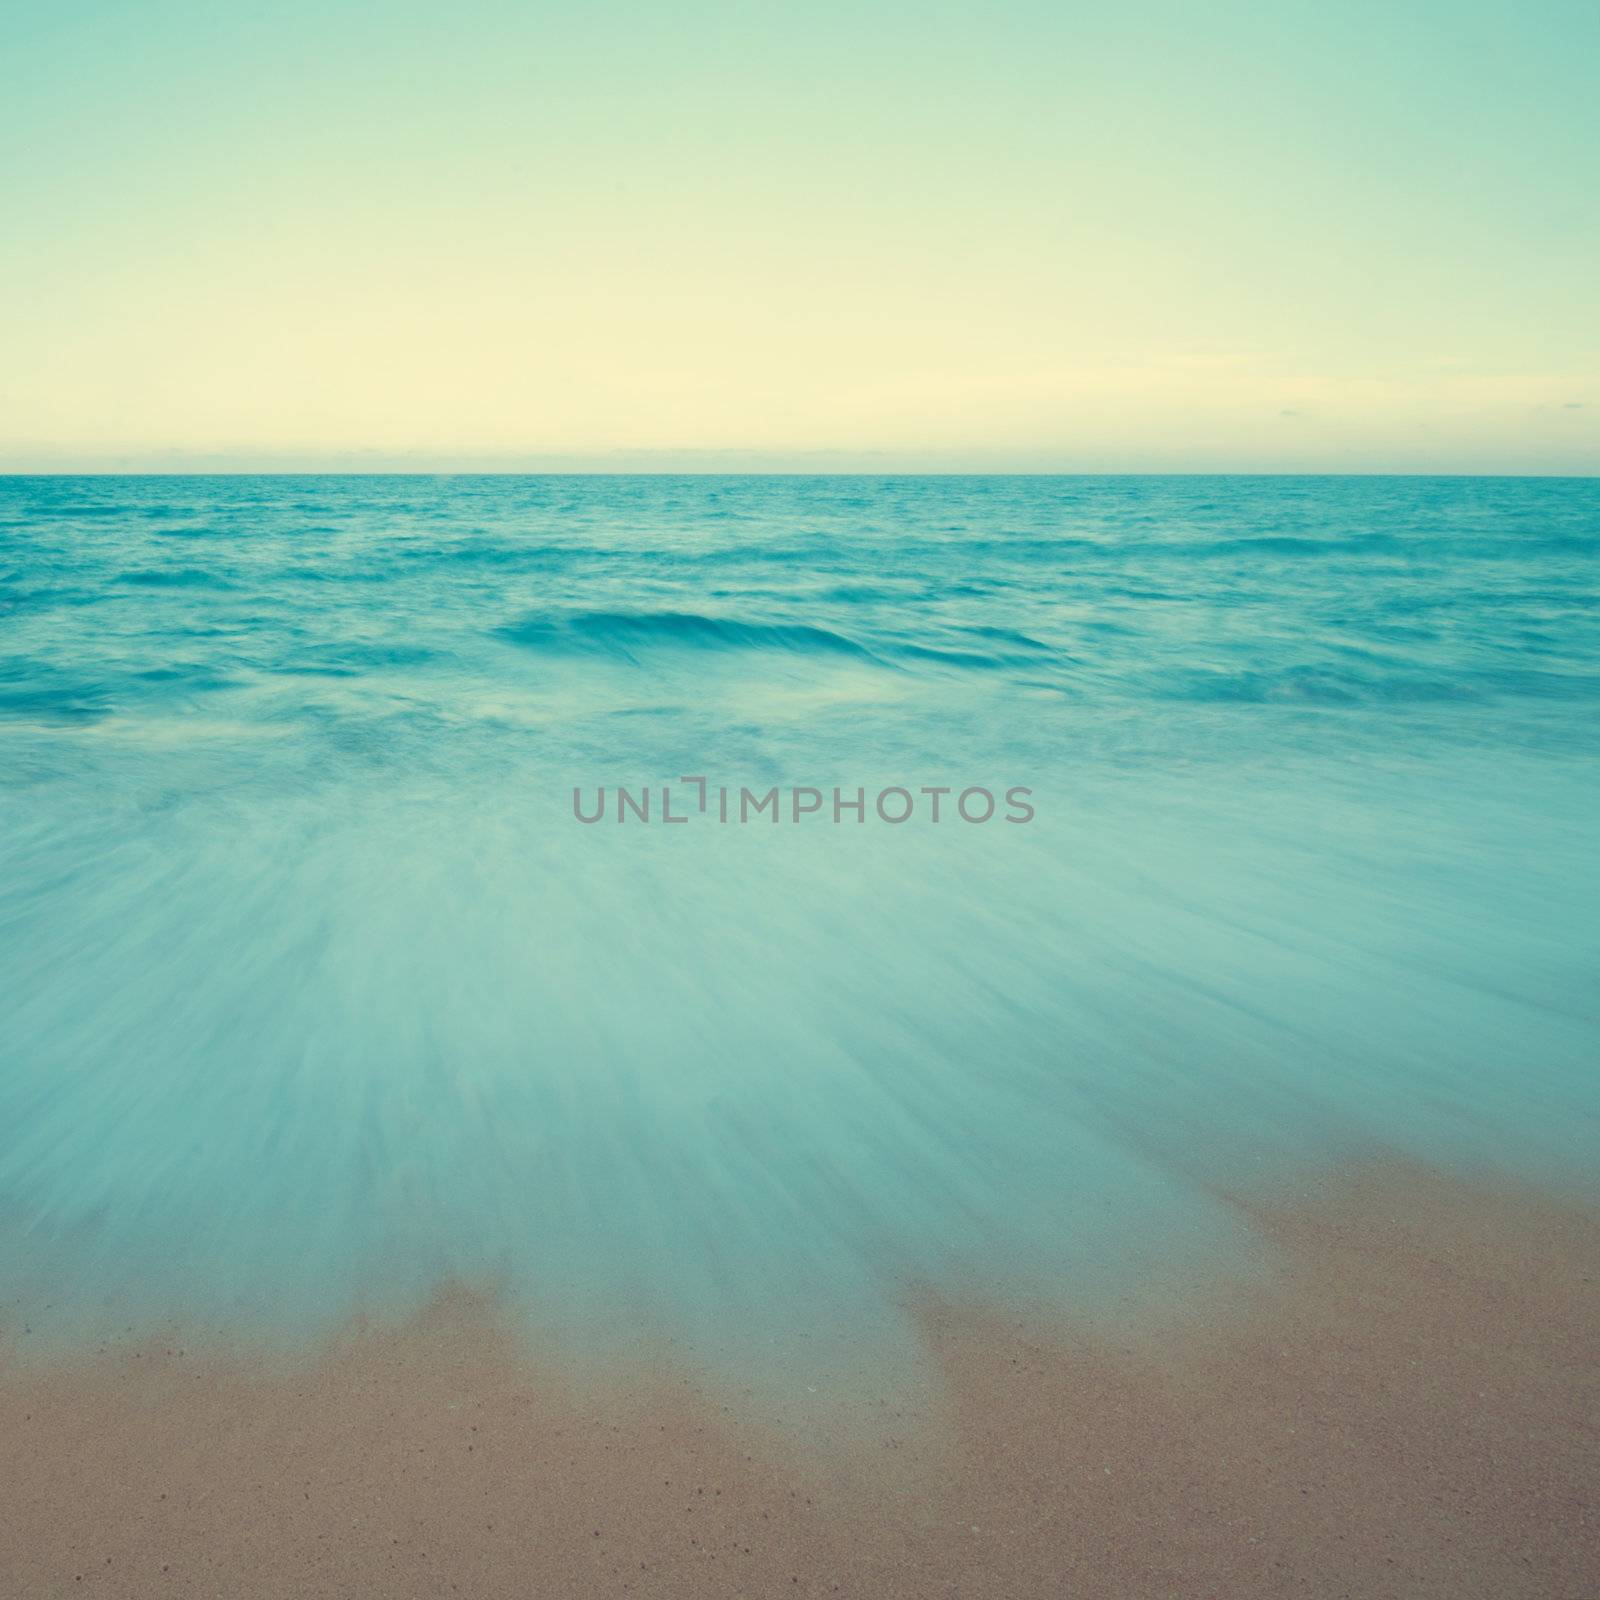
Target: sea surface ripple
[(313, 992)]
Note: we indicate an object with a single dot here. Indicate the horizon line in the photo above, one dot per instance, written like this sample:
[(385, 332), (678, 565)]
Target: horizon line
[(779, 472)]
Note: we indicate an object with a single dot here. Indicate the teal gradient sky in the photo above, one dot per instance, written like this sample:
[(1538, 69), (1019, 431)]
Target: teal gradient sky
[(1218, 236)]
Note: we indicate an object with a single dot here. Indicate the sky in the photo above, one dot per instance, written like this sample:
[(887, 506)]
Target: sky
[(1013, 236)]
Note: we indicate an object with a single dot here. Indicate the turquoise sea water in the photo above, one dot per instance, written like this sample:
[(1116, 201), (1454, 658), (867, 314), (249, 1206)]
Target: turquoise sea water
[(314, 992)]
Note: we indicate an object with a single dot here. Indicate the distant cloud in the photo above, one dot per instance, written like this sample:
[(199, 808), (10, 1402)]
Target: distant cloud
[(1573, 405)]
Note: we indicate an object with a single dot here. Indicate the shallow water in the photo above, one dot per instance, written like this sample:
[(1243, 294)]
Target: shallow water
[(316, 992)]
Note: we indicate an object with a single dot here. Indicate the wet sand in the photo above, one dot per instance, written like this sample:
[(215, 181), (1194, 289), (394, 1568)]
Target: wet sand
[(1407, 1403)]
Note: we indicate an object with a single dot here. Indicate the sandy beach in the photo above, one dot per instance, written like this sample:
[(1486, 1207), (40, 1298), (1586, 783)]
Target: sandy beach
[(1404, 1403), (799, 801)]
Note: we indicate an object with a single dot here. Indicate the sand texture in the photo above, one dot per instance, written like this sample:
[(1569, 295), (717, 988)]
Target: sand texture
[(1405, 1404)]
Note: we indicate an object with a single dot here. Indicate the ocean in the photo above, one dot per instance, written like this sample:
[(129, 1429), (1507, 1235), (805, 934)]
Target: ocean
[(1266, 841)]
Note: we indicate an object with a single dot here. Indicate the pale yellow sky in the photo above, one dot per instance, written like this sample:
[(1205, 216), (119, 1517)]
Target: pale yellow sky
[(1018, 235)]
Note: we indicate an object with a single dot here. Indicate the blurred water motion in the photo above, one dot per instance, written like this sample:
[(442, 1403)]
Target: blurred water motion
[(314, 992)]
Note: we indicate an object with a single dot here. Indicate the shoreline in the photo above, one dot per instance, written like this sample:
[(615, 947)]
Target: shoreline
[(1406, 1402)]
